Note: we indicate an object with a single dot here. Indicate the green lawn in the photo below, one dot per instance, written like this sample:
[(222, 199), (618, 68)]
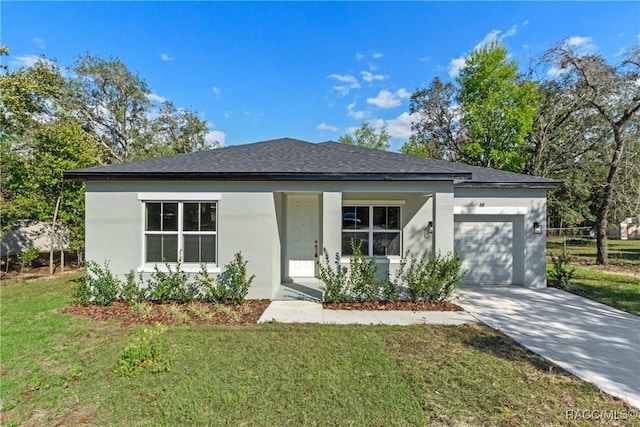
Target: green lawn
[(615, 288), (56, 370), (622, 253)]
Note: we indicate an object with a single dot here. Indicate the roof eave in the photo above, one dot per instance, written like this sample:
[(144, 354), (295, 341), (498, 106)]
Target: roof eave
[(527, 185), (270, 176)]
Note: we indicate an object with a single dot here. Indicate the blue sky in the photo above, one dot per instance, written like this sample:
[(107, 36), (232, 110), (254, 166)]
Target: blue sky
[(312, 71)]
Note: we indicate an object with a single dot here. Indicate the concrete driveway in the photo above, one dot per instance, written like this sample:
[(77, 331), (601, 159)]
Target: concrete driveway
[(592, 341)]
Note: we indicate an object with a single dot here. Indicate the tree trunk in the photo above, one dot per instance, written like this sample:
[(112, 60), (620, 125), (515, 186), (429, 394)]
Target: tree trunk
[(52, 235), (603, 210), (62, 257)]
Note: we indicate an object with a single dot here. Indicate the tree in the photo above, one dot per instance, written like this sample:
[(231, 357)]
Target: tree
[(436, 131), (483, 119), (497, 109), (175, 131), (610, 93), (366, 136), (112, 103)]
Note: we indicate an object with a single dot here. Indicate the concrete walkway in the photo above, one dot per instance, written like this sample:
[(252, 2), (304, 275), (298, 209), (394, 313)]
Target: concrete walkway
[(592, 341), (313, 312)]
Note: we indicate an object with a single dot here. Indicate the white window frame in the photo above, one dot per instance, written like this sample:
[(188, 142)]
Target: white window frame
[(180, 199), (374, 204)]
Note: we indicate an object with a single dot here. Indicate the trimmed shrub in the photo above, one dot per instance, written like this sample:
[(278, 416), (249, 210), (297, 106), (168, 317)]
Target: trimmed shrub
[(235, 278), (433, 277), (332, 277), (171, 285), (133, 291), (560, 274), (98, 285), (211, 288)]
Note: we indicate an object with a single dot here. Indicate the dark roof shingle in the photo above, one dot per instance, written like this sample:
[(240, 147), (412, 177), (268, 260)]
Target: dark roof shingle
[(287, 158)]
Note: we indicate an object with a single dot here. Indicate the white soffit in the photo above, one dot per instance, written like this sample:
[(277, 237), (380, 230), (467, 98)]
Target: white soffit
[(179, 196), (489, 210)]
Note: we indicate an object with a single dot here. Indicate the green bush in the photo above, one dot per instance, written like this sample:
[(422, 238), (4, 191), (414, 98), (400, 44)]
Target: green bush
[(362, 277), (333, 278), (148, 350), (235, 278), (81, 292), (133, 291), (171, 285), (97, 285), (432, 277), (27, 257), (211, 288), (560, 274)]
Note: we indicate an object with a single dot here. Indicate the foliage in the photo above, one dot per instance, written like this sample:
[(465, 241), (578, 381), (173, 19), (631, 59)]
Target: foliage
[(609, 95), (497, 109), (366, 136), (27, 257), (561, 274), (436, 131), (362, 283), (432, 277), (332, 277), (97, 112), (483, 120), (133, 291), (147, 350), (171, 285), (234, 277), (98, 285), (211, 288)]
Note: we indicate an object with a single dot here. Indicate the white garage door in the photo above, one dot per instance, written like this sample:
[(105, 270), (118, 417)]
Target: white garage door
[(486, 251)]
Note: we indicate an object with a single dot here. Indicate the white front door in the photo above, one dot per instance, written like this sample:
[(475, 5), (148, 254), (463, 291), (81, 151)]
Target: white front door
[(303, 226)]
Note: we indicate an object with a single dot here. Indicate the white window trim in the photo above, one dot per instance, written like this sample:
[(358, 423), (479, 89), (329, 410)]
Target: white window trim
[(187, 267), (376, 203)]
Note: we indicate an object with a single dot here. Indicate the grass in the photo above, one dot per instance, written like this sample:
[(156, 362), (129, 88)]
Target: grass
[(622, 253), (615, 289), (56, 369)]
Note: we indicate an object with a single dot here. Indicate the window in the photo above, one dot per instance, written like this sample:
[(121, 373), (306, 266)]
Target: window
[(376, 227), (185, 230)]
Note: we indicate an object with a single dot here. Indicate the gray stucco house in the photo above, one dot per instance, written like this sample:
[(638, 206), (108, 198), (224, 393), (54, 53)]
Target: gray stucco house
[(282, 201)]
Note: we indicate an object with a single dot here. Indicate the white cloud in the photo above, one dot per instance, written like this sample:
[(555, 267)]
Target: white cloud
[(358, 115), (556, 71), (325, 126), (228, 114), (368, 77), (403, 93), (359, 56), (216, 90), (578, 41), (638, 36), (352, 129), (166, 57), (400, 127), (456, 65), (349, 81), (377, 55), (215, 137), (39, 41), (27, 60), (386, 99), (154, 97)]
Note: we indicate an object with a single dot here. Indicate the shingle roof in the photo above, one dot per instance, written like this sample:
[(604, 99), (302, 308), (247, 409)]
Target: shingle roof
[(291, 159)]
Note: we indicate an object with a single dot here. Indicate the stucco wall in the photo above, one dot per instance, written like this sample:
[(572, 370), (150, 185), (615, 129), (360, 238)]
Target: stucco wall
[(529, 248), (247, 222)]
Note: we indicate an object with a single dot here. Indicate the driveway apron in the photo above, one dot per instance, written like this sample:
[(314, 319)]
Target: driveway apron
[(591, 340)]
